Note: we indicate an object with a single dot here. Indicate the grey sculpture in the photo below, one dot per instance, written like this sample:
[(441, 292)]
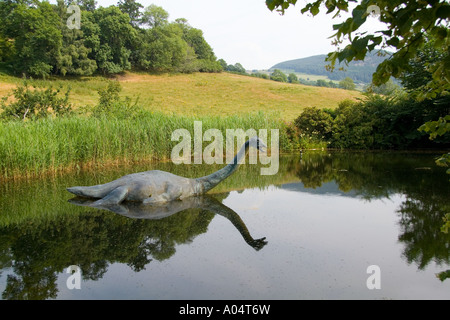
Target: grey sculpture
[(137, 210), (155, 187)]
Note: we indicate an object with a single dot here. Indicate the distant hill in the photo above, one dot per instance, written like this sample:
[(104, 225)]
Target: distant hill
[(360, 71)]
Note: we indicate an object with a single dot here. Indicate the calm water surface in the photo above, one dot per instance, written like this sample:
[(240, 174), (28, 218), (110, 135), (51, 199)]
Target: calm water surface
[(311, 232)]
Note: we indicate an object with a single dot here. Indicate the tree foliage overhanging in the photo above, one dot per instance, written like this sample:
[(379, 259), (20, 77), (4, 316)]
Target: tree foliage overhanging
[(389, 119), (35, 40), (417, 31), (408, 26)]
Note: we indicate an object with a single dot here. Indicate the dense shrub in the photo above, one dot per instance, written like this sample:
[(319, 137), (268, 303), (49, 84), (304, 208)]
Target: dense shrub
[(352, 127), (315, 122), (379, 122), (33, 103)]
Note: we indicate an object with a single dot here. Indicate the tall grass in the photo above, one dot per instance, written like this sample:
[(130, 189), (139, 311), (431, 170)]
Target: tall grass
[(52, 145)]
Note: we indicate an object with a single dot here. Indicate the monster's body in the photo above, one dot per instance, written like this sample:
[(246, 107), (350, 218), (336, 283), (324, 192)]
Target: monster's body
[(147, 187), (153, 187)]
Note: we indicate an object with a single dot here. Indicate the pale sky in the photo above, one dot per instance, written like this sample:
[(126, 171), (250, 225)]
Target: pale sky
[(246, 31)]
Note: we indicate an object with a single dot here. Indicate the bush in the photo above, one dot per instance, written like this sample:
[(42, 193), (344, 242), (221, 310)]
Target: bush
[(347, 84), (292, 78), (209, 66), (315, 122), (378, 122), (111, 106), (352, 128), (35, 103), (278, 75)]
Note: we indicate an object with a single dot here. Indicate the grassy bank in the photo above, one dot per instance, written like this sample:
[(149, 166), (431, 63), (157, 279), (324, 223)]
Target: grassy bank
[(199, 94), (63, 144)]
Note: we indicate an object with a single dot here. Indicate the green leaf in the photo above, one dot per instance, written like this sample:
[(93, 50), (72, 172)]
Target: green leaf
[(393, 42), (337, 26), (347, 54), (359, 16), (443, 12), (315, 9), (360, 44), (271, 4)]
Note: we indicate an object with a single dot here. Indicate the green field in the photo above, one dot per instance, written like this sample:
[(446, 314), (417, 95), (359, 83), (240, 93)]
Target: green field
[(200, 94), (166, 103)]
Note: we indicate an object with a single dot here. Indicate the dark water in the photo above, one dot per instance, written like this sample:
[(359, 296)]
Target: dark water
[(311, 232)]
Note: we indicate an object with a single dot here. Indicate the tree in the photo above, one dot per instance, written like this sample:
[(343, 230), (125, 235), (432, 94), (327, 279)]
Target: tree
[(418, 75), (409, 26), (314, 121), (237, 68), (35, 103), (292, 78), (155, 16), (6, 48), (74, 55), (207, 61), (388, 89), (132, 8), (223, 63), (110, 35), (162, 49), (35, 40), (87, 5), (35, 34), (347, 84), (278, 75), (415, 82), (331, 84), (321, 83), (194, 38)]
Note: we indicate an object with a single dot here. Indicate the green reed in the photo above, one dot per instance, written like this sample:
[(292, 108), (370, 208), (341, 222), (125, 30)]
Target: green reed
[(62, 144)]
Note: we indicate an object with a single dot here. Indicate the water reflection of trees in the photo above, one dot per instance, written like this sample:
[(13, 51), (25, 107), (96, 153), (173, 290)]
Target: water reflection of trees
[(38, 251), (424, 186), (92, 241), (34, 251)]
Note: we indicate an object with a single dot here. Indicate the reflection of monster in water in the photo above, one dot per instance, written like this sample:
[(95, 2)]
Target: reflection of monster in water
[(94, 240), (41, 234), (154, 212)]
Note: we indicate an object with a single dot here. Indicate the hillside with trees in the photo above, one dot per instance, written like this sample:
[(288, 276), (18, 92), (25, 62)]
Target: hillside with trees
[(35, 40), (360, 71)]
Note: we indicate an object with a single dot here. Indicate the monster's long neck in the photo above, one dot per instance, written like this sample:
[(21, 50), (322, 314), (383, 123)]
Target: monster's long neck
[(209, 182)]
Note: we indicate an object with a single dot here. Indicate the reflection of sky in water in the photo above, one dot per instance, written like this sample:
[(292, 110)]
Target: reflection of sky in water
[(319, 247)]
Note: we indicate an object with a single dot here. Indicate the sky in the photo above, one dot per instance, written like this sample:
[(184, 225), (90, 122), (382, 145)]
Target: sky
[(247, 32)]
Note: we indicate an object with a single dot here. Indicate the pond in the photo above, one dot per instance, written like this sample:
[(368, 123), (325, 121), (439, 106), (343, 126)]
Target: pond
[(330, 225)]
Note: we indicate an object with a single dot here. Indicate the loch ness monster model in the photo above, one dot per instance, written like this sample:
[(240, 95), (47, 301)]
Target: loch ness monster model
[(156, 187)]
